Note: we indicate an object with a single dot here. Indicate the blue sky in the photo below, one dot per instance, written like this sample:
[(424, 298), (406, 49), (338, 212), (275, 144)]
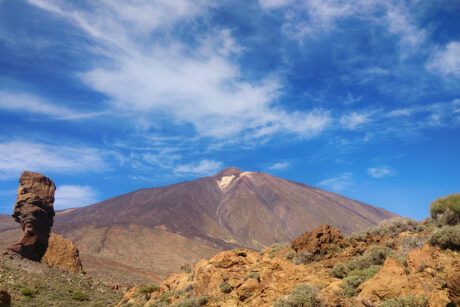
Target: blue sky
[(360, 97)]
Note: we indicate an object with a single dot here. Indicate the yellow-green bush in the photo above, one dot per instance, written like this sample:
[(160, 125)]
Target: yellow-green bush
[(446, 209), (303, 295)]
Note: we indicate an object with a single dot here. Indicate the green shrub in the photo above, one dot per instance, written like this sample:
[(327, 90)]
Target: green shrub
[(304, 295), (374, 255), (225, 287), (409, 301), (356, 277), (27, 292), (255, 275), (148, 289), (446, 237), (446, 209), (333, 248), (79, 296), (290, 255), (411, 242), (303, 257)]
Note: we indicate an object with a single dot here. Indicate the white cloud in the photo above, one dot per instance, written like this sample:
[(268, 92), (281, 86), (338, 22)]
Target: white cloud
[(354, 120), (381, 171), (279, 166), (400, 22), (446, 61), (203, 168), (18, 156), (25, 103), (339, 183), (167, 80), (273, 4), (72, 196)]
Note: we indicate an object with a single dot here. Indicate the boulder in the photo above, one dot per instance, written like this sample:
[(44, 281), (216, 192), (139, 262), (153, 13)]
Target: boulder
[(5, 298), (318, 240), (453, 283), (34, 211), (63, 253)]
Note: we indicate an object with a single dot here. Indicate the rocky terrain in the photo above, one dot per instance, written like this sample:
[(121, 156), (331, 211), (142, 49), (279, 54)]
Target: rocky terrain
[(396, 264), (150, 233), (29, 283)]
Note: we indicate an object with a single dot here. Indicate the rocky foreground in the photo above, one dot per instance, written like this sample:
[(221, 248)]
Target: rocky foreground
[(29, 283), (398, 263)]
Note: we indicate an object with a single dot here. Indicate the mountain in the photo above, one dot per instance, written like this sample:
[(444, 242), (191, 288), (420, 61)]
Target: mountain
[(150, 233)]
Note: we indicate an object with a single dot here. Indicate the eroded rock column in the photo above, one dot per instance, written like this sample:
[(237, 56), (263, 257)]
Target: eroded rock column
[(34, 211)]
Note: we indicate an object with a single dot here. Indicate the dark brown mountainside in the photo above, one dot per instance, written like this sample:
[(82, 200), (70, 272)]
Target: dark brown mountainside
[(151, 232)]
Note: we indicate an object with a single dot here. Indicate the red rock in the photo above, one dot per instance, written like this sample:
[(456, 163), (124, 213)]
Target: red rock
[(318, 240), (34, 211)]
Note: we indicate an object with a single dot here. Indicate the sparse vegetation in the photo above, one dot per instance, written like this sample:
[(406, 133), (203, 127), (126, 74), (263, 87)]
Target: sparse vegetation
[(357, 277), (148, 289), (276, 248), (225, 287), (290, 254), (303, 295), (303, 257), (410, 242), (193, 302), (374, 255), (409, 301), (446, 237), (80, 296), (446, 210)]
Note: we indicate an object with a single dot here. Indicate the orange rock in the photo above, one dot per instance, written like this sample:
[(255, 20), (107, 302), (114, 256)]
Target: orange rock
[(453, 283), (63, 253), (419, 259)]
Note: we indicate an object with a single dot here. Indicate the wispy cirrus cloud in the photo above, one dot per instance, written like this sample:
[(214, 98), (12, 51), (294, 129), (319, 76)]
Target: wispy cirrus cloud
[(339, 183), (26, 103), (279, 166), (73, 196), (18, 156), (381, 171), (202, 168), (141, 76)]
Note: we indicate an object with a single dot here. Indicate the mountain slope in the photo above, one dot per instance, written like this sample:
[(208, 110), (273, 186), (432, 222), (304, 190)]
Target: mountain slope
[(151, 232)]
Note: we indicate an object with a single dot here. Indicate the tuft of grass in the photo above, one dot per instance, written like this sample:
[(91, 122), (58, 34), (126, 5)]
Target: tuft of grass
[(27, 292), (409, 301), (225, 287), (80, 296), (303, 295)]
